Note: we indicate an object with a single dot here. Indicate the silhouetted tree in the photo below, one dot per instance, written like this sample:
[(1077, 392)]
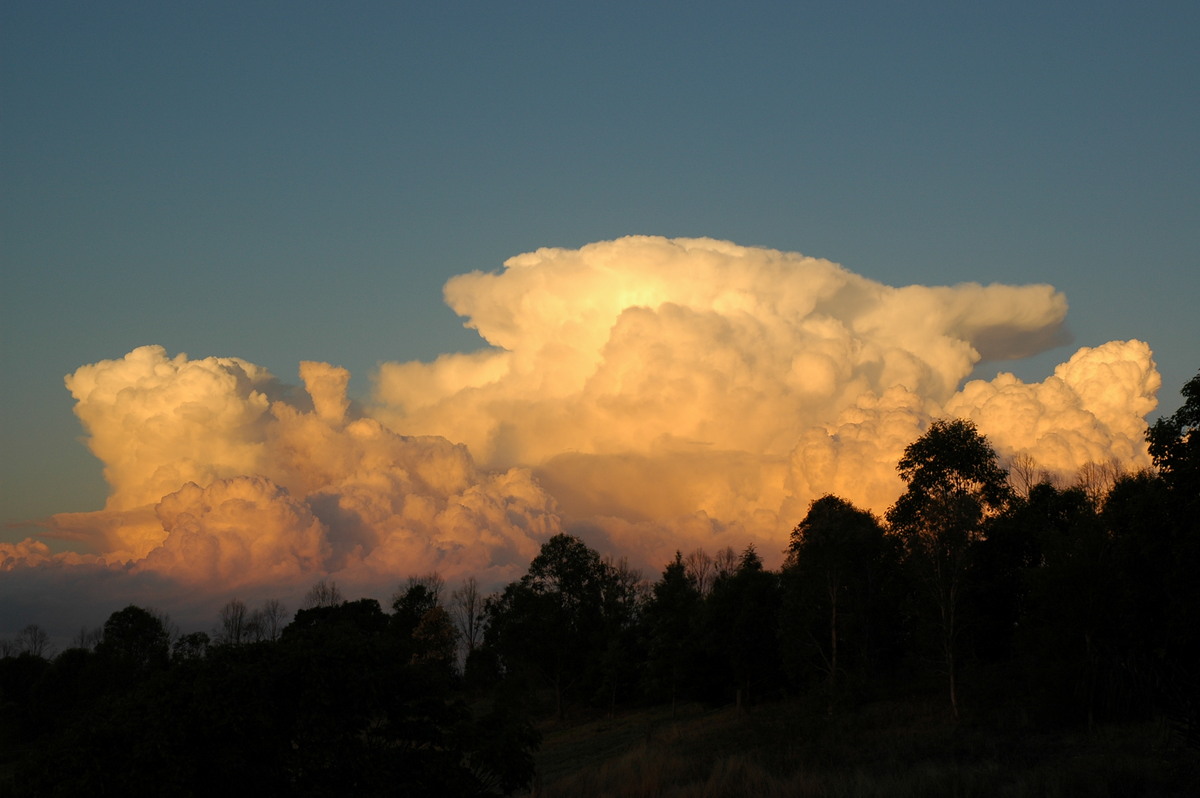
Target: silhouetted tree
[(955, 485), (432, 582), (1175, 446), (725, 563), (672, 617), (324, 593), (834, 575), (270, 619), (87, 638), (466, 606), (435, 641), (191, 646), (1067, 603), (33, 640), (234, 625), (1097, 479), (741, 625), (699, 567), (409, 607), (623, 654), (550, 622), (134, 643)]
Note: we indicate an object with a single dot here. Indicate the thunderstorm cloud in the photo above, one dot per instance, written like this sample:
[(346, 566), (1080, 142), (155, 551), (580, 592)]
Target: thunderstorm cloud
[(651, 394)]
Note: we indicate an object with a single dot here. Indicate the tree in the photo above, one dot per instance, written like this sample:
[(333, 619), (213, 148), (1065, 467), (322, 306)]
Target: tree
[(435, 641), (550, 622), (270, 619), (135, 642), (234, 627), (87, 638), (1024, 474), (33, 640), (193, 646), (323, 594), (1097, 479), (741, 632), (1175, 447), (955, 485), (671, 616), (411, 605), (1066, 600), (466, 605), (699, 567), (834, 570), (432, 582), (725, 563), (623, 592)]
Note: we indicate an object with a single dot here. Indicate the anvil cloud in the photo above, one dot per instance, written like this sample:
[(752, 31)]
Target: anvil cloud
[(652, 394)]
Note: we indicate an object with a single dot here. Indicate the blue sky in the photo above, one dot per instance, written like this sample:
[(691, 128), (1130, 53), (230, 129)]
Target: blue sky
[(296, 181)]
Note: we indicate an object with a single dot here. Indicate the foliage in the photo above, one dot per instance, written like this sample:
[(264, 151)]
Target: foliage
[(954, 485), (1061, 610), (839, 572), (671, 627), (740, 634), (331, 707), (549, 626), (1175, 446)]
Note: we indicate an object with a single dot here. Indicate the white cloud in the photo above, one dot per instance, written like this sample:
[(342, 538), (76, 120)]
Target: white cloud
[(652, 393)]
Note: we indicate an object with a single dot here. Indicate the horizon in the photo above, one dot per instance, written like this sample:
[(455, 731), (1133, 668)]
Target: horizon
[(423, 287)]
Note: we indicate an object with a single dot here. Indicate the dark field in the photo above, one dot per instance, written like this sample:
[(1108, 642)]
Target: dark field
[(884, 748)]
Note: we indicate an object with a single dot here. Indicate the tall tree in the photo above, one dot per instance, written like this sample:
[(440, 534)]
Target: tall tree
[(741, 632), (699, 565), (466, 606), (134, 643), (1175, 446), (671, 619), (234, 627), (324, 593), (550, 623), (955, 485), (35, 641), (271, 617), (1045, 592), (835, 570), (410, 606)]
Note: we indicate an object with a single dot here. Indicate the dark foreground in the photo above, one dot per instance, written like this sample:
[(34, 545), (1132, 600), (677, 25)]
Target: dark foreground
[(884, 748)]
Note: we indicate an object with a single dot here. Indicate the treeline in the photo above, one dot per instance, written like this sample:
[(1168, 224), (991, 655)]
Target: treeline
[(344, 700), (1004, 597)]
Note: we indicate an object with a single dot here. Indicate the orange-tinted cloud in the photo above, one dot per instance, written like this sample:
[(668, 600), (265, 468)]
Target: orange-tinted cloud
[(650, 393)]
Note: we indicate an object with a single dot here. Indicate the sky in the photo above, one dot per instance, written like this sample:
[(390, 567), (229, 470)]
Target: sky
[(369, 289)]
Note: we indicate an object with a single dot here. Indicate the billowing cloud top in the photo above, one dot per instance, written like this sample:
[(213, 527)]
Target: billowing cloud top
[(650, 393), (221, 475)]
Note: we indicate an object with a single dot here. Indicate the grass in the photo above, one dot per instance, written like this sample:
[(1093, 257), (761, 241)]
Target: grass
[(885, 748)]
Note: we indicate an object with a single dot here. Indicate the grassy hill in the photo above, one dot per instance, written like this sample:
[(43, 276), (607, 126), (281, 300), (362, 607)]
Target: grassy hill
[(884, 748)]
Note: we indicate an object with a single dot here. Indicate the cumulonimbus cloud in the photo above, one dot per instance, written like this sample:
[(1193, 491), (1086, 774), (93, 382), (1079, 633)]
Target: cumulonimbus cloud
[(221, 475), (651, 393)]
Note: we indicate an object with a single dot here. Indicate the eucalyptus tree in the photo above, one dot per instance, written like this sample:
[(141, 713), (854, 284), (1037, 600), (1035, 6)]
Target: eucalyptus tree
[(955, 486), (550, 623), (1175, 448), (837, 563), (740, 633)]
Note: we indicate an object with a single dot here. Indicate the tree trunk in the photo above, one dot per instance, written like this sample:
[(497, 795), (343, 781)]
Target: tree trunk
[(950, 663), (833, 644)]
